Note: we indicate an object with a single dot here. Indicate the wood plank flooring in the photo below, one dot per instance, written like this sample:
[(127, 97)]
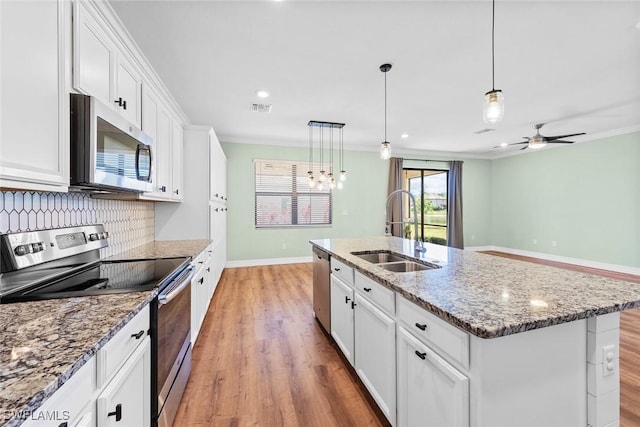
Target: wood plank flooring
[(629, 341), (262, 360)]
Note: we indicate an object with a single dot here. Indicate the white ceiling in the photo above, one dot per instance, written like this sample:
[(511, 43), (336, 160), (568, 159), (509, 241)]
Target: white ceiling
[(572, 64)]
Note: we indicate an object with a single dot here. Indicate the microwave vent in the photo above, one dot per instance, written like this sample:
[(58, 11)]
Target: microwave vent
[(261, 108)]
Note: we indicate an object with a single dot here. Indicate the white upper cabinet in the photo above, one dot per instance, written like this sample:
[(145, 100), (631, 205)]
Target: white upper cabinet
[(129, 91), (34, 95), (101, 69), (177, 158), (94, 56), (156, 123)]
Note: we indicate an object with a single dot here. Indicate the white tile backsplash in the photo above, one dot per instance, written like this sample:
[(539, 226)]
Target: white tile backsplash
[(129, 223)]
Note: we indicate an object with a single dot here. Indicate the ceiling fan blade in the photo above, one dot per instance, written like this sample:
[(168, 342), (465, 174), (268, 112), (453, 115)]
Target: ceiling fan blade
[(525, 147), (553, 138), (560, 142), (518, 143)]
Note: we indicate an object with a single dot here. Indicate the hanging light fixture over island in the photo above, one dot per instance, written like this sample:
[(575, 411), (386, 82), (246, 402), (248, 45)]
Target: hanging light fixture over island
[(324, 176)]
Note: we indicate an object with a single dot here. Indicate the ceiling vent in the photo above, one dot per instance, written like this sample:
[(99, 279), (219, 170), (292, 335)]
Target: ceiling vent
[(485, 130), (261, 108)]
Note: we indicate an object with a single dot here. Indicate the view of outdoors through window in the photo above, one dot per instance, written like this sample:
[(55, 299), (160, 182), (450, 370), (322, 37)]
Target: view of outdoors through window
[(429, 187)]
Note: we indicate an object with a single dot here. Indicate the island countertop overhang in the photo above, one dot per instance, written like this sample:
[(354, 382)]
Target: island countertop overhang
[(485, 295)]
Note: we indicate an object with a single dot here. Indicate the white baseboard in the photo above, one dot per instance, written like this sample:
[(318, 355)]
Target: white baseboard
[(549, 257), (267, 261)]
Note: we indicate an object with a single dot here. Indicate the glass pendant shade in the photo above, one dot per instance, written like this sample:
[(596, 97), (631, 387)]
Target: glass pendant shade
[(343, 176), (320, 185), (493, 106), (312, 183), (340, 185), (385, 150)]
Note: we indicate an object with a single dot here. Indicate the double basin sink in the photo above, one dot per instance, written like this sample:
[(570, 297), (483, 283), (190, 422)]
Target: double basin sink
[(395, 262)]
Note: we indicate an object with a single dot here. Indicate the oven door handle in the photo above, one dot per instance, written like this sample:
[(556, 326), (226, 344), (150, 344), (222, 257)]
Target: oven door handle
[(173, 291)]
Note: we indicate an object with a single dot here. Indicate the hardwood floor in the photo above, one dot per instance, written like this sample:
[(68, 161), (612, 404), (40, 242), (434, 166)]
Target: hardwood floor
[(629, 341), (262, 360)]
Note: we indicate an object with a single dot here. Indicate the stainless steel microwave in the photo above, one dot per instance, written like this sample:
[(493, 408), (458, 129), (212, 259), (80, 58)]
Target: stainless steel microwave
[(107, 152)]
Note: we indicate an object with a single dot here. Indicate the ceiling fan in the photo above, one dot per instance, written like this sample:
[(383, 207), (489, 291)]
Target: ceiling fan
[(539, 141)]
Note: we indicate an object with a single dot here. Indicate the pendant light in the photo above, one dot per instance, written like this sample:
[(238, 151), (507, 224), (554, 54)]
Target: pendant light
[(385, 147), (324, 177), (493, 100)]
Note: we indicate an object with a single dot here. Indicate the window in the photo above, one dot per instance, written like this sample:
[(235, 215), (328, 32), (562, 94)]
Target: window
[(283, 196), (429, 187)]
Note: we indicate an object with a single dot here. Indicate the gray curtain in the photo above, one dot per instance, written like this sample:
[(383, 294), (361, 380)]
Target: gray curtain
[(455, 237), (394, 211)]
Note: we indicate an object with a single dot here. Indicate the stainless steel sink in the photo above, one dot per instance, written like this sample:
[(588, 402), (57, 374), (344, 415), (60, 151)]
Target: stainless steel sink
[(395, 262), (407, 266), (379, 257)]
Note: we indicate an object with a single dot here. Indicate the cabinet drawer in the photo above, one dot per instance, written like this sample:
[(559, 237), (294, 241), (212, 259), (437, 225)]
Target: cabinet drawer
[(200, 260), (342, 270), (381, 296), (119, 348), (451, 342)]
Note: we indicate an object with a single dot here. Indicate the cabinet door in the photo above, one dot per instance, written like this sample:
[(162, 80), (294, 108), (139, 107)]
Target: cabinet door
[(375, 354), (126, 400), (156, 123), (177, 146), (34, 105), (342, 316), (431, 392), (128, 88), (94, 57)]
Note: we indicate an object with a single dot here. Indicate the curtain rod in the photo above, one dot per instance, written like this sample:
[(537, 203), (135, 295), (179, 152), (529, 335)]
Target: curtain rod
[(430, 160)]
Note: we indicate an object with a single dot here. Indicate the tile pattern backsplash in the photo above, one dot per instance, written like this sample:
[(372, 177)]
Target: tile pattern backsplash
[(129, 223)]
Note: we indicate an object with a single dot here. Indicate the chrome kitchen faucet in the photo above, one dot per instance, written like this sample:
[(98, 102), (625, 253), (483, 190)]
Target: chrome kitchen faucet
[(419, 248)]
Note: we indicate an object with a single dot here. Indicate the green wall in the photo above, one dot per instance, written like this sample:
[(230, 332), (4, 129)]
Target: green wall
[(358, 207), (585, 197)]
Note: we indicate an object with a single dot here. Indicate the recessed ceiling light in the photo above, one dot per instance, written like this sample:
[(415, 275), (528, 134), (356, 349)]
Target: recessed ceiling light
[(638, 25), (262, 94), (404, 136), (504, 144)]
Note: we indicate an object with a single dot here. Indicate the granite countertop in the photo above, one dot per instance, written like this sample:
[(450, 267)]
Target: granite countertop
[(164, 249), (43, 343), (486, 295)]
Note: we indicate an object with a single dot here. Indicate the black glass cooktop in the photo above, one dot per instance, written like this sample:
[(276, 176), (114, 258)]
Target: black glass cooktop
[(103, 277)]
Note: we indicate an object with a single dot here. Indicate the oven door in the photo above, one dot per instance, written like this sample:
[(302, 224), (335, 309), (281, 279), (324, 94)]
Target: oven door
[(173, 345)]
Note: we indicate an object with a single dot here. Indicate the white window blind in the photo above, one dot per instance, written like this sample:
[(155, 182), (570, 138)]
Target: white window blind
[(283, 197)]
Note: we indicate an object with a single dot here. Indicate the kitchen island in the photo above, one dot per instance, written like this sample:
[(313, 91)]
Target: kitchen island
[(526, 344)]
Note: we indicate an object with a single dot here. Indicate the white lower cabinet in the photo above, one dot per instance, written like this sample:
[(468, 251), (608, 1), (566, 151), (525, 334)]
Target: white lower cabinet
[(126, 400), (202, 288), (342, 306), (375, 354), (431, 392), (112, 388)]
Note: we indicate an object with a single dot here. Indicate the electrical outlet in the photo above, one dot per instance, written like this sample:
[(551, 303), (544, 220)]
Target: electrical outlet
[(608, 360), (554, 243), (535, 241), (345, 212), (473, 237), (284, 245)]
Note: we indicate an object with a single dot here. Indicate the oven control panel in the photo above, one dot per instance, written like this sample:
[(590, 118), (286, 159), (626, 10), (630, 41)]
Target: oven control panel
[(21, 250)]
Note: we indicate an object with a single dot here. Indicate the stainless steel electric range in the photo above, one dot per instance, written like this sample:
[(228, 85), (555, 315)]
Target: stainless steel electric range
[(65, 262)]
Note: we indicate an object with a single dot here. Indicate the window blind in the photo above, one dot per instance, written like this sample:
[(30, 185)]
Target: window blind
[(283, 197)]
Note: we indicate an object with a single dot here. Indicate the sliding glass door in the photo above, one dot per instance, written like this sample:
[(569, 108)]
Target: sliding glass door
[(429, 187)]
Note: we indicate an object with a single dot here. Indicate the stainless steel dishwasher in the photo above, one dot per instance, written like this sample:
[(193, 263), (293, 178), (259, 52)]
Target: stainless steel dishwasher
[(322, 288)]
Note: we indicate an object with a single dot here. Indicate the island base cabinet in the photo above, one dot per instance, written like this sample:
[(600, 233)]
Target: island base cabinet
[(342, 305), (431, 392), (126, 401), (375, 354)]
